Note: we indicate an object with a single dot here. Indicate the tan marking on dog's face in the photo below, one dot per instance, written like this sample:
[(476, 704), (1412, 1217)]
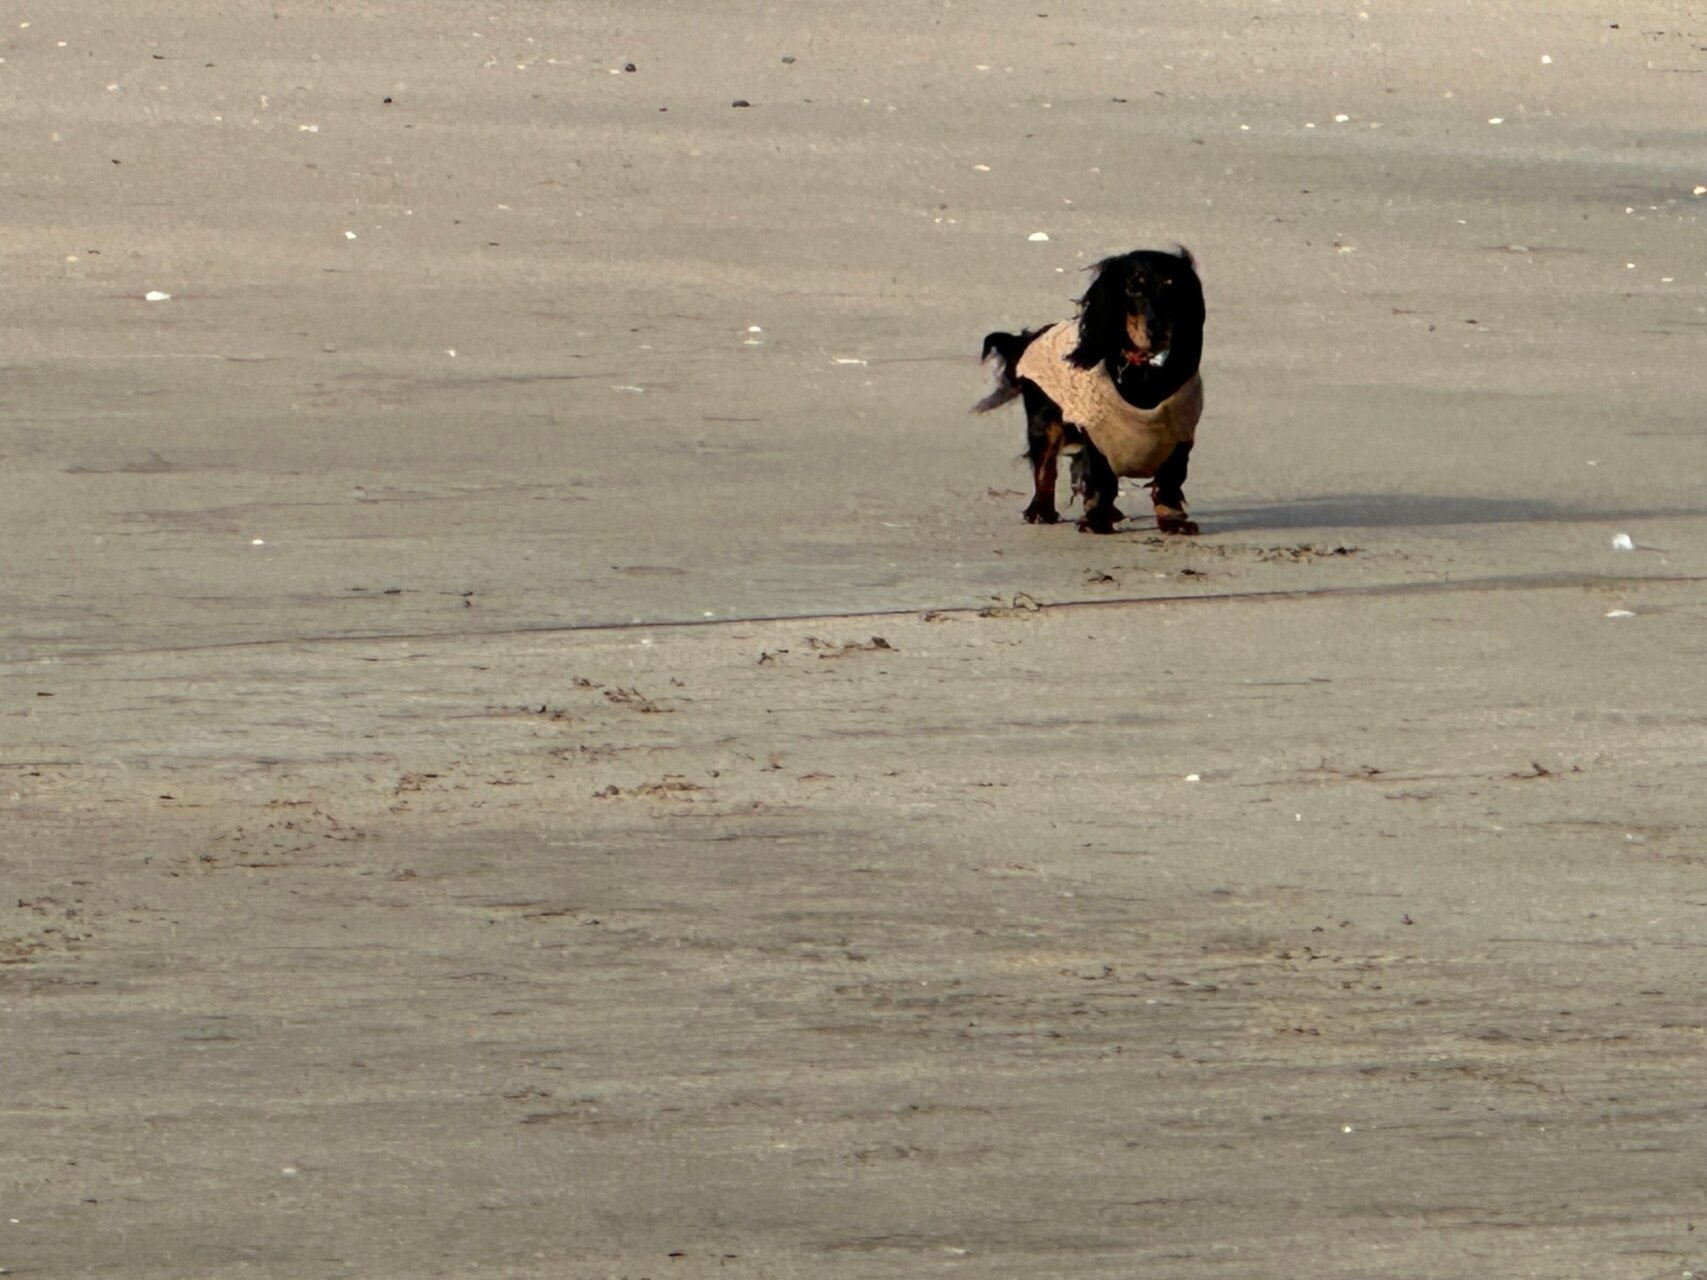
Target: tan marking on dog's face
[(1138, 334)]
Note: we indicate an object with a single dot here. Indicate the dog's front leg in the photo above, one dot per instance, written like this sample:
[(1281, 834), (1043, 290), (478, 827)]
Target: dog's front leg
[(1167, 491), (1101, 484)]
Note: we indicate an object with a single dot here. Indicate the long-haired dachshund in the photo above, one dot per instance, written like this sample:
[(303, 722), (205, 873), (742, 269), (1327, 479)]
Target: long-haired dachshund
[(1117, 388)]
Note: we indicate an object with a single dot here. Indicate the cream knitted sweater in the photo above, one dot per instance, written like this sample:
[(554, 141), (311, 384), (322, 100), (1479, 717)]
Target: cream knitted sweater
[(1135, 441)]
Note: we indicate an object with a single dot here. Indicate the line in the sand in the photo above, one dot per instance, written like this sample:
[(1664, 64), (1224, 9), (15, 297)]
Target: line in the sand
[(1517, 582)]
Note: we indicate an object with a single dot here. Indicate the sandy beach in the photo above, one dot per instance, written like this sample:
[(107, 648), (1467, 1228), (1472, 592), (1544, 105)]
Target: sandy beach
[(535, 742)]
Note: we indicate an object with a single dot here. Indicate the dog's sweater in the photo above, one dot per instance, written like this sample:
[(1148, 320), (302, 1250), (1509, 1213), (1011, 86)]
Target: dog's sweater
[(1135, 441)]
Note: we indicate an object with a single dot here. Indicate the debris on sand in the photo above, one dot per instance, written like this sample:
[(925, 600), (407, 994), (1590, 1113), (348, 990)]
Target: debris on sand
[(1021, 606), (635, 699), (670, 786), (828, 650), (1304, 551)]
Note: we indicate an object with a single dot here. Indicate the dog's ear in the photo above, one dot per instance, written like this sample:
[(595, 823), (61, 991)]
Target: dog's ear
[(1102, 315), (1193, 286)]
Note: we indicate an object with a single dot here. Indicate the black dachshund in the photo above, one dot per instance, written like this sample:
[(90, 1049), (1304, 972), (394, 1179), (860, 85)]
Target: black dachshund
[(1117, 388)]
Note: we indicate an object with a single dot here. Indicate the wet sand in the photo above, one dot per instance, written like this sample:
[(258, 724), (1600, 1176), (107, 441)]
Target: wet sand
[(536, 742)]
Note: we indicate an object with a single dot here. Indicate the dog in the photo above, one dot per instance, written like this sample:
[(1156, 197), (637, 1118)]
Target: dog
[(1117, 388)]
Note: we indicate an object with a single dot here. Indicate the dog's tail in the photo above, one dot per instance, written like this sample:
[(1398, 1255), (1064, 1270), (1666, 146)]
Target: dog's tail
[(1007, 348)]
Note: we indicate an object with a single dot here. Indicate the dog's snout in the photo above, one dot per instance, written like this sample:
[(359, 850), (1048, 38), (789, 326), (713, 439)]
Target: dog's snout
[(1147, 331)]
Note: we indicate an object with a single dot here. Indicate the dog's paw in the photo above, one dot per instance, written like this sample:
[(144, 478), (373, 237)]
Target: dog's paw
[(1098, 525), (1035, 514), (1177, 525)]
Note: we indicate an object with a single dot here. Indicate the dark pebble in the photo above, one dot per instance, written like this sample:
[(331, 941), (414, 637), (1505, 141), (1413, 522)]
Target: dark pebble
[(629, 66), (740, 102), (788, 57)]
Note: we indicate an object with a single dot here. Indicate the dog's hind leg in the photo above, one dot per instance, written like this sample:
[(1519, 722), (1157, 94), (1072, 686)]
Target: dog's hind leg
[(1044, 441), (1167, 491), (1044, 436), (1101, 484)]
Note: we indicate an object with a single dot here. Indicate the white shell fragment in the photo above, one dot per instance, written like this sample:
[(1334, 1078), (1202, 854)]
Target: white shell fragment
[(848, 360), (1623, 542), (1619, 613), (154, 295), (1038, 235)]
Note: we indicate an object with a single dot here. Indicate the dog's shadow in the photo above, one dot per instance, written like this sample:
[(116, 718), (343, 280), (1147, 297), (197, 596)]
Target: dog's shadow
[(1384, 510)]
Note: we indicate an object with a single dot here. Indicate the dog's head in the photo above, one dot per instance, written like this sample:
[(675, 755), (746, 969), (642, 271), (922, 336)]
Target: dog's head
[(1145, 310)]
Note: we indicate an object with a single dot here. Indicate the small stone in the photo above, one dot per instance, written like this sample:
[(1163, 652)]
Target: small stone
[(740, 102)]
